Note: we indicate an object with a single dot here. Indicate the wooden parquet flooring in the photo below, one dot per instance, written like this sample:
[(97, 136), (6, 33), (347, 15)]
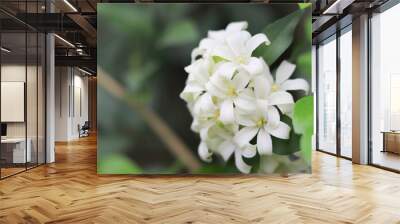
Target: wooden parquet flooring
[(70, 191)]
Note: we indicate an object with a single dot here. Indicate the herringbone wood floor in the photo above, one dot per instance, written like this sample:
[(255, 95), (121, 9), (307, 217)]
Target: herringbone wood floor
[(69, 191)]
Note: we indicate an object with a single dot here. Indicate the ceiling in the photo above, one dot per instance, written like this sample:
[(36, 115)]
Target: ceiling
[(75, 21)]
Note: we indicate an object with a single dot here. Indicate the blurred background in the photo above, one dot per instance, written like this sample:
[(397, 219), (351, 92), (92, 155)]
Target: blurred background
[(144, 48)]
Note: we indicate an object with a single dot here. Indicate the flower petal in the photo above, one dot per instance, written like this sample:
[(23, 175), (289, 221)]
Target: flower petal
[(282, 130), (237, 26), (262, 87), (216, 86), (196, 52), (191, 92), (225, 131), (243, 119), (226, 112), (243, 103), (192, 67), (204, 130), (273, 116), (240, 164), (204, 154), (256, 41), (226, 149), (219, 35), (280, 97), (244, 135), (262, 104), (226, 70), (236, 42), (284, 71), (249, 151), (266, 72), (204, 105), (286, 109), (240, 80), (195, 126), (223, 52), (264, 143), (254, 66), (295, 84)]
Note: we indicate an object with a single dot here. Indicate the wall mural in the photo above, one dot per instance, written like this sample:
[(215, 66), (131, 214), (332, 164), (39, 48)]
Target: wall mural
[(204, 88)]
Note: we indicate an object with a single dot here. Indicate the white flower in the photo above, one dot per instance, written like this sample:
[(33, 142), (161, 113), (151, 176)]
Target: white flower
[(229, 147), (263, 123), (265, 97), (227, 87), (282, 81), (232, 96), (215, 38), (282, 84), (205, 113), (220, 140), (261, 95), (233, 44), (199, 74), (220, 35), (239, 48)]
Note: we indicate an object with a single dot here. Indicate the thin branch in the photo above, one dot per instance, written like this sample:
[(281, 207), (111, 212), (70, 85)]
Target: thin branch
[(155, 122)]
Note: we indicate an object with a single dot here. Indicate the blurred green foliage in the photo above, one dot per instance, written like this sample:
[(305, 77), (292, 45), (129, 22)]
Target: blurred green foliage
[(118, 164), (178, 33), (146, 46), (281, 34), (303, 116)]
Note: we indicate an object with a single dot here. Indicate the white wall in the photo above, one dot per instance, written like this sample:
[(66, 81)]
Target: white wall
[(71, 93), (80, 104), (61, 103), (16, 73), (33, 126)]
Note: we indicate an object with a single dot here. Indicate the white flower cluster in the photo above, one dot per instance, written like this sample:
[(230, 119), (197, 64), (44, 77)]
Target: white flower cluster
[(233, 97)]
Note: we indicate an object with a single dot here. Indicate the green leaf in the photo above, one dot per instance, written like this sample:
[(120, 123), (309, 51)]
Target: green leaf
[(304, 5), (306, 144), (303, 114), (280, 33), (287, 146), (308, 27), (303, 123), (117, 164), (304, 64), (303, 36), (180, 32)]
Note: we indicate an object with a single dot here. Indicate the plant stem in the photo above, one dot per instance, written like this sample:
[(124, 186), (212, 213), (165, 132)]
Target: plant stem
[(155, 122)]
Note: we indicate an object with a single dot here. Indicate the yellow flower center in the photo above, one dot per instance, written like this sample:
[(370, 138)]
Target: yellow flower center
[(241, 60), (232, 91), (275, 87), (216, 114), (261, 122), (214, 100)]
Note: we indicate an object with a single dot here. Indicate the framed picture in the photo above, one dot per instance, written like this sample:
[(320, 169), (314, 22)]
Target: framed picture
[(204, 88)]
